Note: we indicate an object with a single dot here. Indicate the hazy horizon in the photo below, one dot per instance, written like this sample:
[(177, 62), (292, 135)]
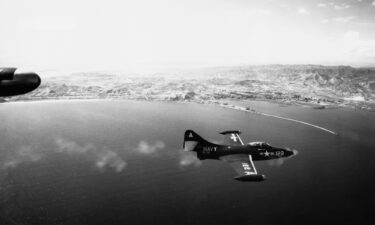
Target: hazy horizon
[(116, 35), (168, 69)]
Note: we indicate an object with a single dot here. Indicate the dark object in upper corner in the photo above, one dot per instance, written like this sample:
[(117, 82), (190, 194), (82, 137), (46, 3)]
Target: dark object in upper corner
[(12, 83)]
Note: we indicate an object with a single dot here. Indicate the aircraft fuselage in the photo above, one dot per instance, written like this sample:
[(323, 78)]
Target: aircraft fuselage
[(257, 153), (238, 155)]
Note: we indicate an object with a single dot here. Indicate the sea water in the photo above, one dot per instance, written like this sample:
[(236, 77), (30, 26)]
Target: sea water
[(121, 162)]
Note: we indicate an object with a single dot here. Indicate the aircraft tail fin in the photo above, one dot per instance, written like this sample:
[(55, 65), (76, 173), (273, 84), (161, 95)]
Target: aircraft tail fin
[(192, 140)]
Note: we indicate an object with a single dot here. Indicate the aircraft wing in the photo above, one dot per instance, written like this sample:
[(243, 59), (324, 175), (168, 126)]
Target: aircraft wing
[(241, 163), (232, 137), (244, 166)]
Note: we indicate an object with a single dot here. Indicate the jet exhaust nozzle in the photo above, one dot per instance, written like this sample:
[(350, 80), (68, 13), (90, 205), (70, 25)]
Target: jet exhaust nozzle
[(255, 178)]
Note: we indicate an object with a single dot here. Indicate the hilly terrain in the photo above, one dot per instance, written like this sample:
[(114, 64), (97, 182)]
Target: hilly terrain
[(309, 85)]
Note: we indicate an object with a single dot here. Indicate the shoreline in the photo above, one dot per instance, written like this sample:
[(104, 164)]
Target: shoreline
[(368, 106), (222, 105)]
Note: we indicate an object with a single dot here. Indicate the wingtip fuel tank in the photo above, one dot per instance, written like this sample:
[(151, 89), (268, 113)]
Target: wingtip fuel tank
[(12, 83)]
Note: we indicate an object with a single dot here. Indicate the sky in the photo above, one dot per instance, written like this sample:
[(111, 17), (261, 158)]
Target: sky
[(111, 34)]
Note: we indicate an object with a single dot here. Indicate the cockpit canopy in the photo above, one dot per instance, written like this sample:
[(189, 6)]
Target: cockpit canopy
[(259, 144)]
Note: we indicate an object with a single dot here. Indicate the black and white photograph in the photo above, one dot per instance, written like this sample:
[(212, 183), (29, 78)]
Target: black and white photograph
[(187, 112)]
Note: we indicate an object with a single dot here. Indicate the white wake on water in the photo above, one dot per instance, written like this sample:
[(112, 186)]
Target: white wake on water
[(279, 117)]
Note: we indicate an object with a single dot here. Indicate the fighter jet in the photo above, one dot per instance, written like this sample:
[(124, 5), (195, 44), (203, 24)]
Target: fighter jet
[(236, 153), (12, 83)]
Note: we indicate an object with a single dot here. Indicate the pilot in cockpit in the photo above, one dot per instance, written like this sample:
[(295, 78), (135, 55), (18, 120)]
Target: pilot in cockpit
[(259, 144)]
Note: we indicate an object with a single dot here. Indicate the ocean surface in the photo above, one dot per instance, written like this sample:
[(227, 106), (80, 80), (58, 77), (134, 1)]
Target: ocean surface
[(121, 162)]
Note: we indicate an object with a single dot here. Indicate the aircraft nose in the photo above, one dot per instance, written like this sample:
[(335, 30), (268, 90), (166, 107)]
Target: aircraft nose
[(290, 152)]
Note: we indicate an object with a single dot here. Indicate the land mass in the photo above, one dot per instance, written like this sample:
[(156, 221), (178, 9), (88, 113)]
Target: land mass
[(308, 85)]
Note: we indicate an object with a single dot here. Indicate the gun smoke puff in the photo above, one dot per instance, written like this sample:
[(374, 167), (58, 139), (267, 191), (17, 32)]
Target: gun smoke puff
[(71, 147), (25, 153), (146, 148), (103, 157), (276, 162), (109, 158), (188, 159)]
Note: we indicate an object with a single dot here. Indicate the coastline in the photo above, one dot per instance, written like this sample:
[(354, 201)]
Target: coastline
[(226, 105)]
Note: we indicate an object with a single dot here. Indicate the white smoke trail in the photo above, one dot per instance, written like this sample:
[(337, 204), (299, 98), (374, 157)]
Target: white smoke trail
[(279, 117), (298, 121)]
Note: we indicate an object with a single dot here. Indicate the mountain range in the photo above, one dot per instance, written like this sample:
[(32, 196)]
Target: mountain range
[(314, 85)]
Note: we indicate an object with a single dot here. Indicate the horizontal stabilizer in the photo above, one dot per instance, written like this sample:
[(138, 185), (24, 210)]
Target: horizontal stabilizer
[(230, 132), (232, 137)]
